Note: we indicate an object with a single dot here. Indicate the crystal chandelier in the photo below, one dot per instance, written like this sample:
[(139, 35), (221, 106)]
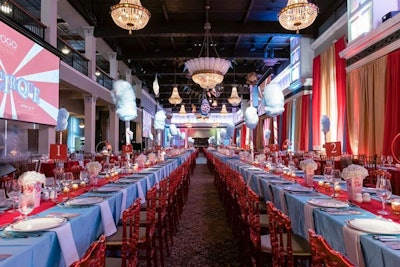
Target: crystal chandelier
[(297, 15), (175, 98), (182, 111), (234, 99), (207, 71), (130, 15), (223, 110)]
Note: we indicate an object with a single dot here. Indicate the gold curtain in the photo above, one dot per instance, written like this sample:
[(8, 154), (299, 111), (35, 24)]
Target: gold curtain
[(259, 133), (328, 90), (366, 98)]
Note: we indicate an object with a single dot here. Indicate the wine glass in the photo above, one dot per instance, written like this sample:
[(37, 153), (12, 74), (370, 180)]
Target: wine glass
[(13, 190), (84, 177), (336, 178), (383, 191), (383, 159), (389, 160), (67, 182), (26, 204), (328, 173)]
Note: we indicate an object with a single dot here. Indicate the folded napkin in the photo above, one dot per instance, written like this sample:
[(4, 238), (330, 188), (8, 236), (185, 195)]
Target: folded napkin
[(308, 218), (282, 199), (353, 245), (67, 243), (107, 218), (140, 192), (123, 203), (148, 182)]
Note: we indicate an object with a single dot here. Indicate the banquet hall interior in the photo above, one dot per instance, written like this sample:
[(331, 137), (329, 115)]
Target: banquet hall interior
[(196, 132)]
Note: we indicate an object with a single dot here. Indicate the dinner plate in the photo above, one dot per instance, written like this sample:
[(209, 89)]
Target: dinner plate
[(110, 189), (84, 201), (297, 188), (37, 224), (374, 226), (127, 180), (328, 203)]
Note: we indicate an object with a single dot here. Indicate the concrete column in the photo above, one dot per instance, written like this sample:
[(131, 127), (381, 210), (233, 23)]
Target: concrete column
[(48, 16), (90, 50), (114, 128), (128, 76), (47, 136), (112, 56), (90, 122)]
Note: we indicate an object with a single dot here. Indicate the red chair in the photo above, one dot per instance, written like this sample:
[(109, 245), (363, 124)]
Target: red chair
[(323, 255), (126, 238), (95, 255)]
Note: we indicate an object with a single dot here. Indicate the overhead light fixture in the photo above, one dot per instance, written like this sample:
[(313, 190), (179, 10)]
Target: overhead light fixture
[(97, 73), (6, 8), (81, 124), (207, 71), (130, 15), (65, 50), (175, 98), (214, 103), (234, 99), (182, 111), (297, 15), (223, 110), (194, 109), (156, 86)]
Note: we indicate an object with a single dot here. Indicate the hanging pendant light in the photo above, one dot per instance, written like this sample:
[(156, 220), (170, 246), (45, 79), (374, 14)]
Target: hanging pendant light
[(130, 15), (207, 71), (182, 111), (297, 15), (156, 86), (234, 99), (175, 98), (214, 103), (223, 110)]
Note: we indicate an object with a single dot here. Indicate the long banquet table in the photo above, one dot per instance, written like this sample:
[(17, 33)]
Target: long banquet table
[(45, 248), (359, 246)]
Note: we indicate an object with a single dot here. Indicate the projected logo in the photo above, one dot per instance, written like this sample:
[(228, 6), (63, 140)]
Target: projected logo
[(29, 79)]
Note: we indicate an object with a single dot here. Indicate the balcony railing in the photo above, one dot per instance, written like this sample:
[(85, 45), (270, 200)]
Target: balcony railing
[(72, 57), (103, 79)]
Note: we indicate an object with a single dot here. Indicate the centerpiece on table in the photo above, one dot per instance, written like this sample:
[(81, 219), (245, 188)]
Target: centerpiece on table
[(308, 166), (93, 169), (354, 175), (31, 182)]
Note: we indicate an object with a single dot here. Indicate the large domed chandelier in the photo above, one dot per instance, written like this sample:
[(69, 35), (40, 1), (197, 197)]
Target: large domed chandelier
[(207, 71), (130, 15), (297, 15)]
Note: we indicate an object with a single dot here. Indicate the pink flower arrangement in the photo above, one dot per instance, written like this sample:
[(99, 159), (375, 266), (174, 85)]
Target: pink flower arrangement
[(31, 177)]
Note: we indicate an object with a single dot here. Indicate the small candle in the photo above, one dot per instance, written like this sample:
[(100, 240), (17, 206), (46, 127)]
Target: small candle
[(83, 183), (75, 186), (395, 203), (337, 188), (327, 185), (65, 189), (321, 183), (293, 174)]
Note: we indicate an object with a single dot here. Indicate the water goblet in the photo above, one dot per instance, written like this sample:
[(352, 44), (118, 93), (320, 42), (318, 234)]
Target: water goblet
[(26, 204), (383, 160), (67, 182), (337, 178), (383, 191), (328, 173), (389, 160), (13, 190), (84, 177)]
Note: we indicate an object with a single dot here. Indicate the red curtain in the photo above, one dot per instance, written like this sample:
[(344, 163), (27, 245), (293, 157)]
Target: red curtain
[(243, 136), (316, 99), (283, 120), (392, 108), (305, 122), (342, 132)]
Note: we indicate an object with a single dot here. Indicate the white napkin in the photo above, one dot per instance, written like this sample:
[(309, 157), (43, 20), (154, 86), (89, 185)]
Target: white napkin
[(67, 243), (107, 218), (123, 203), (140, 192), (148, 182), (353, 246), (308, 218), (156, 175)]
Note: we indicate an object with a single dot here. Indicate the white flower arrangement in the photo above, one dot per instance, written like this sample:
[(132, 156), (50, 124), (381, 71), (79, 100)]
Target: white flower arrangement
[(308, 165), (31, 177), (93, 167), (354, 171)]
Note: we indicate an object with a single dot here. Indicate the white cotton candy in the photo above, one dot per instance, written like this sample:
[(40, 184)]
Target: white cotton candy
[(230, 128), (274, 100), (151, 137), (159, 120), (267, 134), (124, 100), (156, 86), (173, 129), (222, 133), (62, 119), (325, 123), (251, 117), (190, 140)]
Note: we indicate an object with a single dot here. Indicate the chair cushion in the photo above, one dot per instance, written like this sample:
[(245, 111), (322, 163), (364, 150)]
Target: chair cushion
[(301, 247), (264, 221), (112, 262)]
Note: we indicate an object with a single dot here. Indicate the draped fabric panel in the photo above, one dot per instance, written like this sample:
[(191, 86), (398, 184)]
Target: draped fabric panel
[(341, 93), (243, 136), (298, 123), (316, 98), (305, 122), (365, 106), (259, 133), (392, 108), (282, 119)]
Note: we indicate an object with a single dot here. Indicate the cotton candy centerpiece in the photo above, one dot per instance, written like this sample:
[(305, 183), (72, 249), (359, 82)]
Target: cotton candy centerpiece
[(173, 130), (267, 134), (251, 117), (274, 100), (325, 125), (230, 129), (159, 120), (62, 121), (222, 134), (124, 100)]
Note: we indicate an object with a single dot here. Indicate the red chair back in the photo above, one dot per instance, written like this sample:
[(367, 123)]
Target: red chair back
[(95, 255)]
